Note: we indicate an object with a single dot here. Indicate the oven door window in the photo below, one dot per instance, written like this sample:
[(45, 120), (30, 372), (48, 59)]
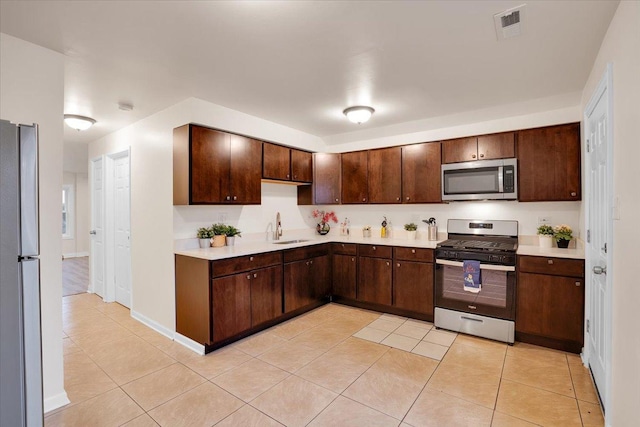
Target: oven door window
[(471, 181), (493, 292)]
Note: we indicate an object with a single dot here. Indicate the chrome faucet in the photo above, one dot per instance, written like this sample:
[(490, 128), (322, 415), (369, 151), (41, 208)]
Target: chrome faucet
[(278, 232)]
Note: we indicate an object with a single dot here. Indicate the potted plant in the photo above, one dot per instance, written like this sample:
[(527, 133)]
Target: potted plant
[(545, 235), (323, 218), (219, 234), (204, 237), (563, 235), (411, 230), (231, 233)]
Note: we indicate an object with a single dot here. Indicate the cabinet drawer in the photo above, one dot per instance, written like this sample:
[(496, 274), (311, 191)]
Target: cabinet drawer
[(344, 248), (297, 254), (225, 267), (413, 254), (375, 251), (552, 266)]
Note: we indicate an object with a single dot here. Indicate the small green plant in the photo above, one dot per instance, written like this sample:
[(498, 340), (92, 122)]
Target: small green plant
[(545, 230), (232, 231), (204, 233), (219, 229), (411, 227), (562, 232)]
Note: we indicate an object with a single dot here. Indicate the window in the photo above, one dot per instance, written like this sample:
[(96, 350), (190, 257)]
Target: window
[(67, 212)]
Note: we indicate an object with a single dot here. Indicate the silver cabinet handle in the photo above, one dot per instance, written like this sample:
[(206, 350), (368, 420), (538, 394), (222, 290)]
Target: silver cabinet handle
[(413, 251), (255, 275), (574, 194), (336, 200), (481, 155), (311, 262), (94, 232), (473, 156), (353, 259), (228, 198), (307, 263), (408, 198), (374, 248), (397, 199), (249, 276), (599, 270), (472, 307), (398, 264), (250, 258), (235, 197), (364, 199), (387, 262), (578, 283), (288, 176), (550, 261)]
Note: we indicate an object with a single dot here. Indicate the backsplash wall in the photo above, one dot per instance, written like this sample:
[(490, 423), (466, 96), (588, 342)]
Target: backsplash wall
[(283, 198)]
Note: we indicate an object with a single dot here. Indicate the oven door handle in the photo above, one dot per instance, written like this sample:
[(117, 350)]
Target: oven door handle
[(482, 266)]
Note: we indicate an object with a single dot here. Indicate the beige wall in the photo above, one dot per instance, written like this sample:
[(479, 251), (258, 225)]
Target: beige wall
[(621, 47), (79, 244), (32, 86)]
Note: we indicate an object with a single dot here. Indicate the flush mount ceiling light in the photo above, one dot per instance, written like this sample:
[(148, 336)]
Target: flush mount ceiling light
[(78, 122), (359, 114)]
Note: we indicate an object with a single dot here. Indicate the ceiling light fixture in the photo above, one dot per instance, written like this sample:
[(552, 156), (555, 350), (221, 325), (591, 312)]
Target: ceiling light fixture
[(359, 114), (78, 122)]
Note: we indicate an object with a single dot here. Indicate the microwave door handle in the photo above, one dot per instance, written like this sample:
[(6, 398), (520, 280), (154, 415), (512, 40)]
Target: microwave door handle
[(500, 179), (482, 266)]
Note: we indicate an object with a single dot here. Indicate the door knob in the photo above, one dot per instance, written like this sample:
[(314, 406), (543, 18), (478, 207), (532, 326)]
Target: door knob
[(93, 232), (599, 270)]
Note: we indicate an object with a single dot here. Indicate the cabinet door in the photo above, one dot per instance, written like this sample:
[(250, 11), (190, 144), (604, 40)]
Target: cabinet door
[(354, 177), (549, 164), (344, 275), (530, 304), (564, 317), (421, 173), (275, 162), (209, 165), (266, 294), (460, 150), (246, 170), (297, 289), (413, 286), (301, 166), (374, 280), (497, 146), (231, 302), (327, 178), (320, 277), (385, 175)]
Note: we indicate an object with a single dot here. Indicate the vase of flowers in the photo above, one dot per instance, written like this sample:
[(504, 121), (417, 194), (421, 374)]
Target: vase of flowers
[(563, 235), (545, 236), (411, 230), (323, 218)]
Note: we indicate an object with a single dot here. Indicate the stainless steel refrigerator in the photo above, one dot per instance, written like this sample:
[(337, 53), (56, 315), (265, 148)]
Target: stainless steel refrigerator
[(20, 339)]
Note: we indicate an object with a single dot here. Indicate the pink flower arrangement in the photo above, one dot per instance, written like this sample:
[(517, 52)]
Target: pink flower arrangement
[(324, 217)]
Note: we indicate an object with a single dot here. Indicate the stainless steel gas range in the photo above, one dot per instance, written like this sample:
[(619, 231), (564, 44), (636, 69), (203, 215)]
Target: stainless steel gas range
[(486, 308)]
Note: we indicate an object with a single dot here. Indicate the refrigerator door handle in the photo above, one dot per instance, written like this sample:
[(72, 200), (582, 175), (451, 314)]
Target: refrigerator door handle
[(29, 244)]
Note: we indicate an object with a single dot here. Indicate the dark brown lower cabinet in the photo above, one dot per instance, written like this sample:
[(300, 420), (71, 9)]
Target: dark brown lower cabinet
[(306, 281), (344, 275), (413, 286), (550, 302), (231, 305), (375, 277), (266, 294)]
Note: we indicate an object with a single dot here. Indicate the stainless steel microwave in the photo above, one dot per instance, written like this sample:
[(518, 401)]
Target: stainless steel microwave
[(480, 180)]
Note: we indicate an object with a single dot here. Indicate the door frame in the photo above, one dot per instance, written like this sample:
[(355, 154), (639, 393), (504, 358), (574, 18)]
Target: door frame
[(109, 222), (92, 255), (605, 87)]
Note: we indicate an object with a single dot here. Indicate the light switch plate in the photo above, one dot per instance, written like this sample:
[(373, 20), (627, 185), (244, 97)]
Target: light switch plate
[(544, 220)]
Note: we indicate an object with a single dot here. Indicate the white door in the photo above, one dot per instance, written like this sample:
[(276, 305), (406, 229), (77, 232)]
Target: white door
[(599, 203), (97, 227), (122, 258)]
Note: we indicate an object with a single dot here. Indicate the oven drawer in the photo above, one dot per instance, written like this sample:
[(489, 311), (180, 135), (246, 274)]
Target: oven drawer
[(374, 251), (552, 266), (413, 254)]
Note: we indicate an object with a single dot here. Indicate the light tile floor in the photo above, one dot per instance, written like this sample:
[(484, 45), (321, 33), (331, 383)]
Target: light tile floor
[(334, 366)]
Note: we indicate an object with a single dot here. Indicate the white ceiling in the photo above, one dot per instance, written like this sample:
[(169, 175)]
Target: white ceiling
[(301, 63)]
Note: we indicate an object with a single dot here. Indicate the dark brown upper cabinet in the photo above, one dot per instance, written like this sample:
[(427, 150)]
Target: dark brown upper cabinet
[(385, 175), (215, 167), (484, 147), (549, 164), (421, 173), (327, 183), (286, 164), (355, 186)]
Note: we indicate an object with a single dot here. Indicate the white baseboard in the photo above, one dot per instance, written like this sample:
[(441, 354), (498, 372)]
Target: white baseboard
[(189, 343), (75, 255), (153, 324), (55, 402)]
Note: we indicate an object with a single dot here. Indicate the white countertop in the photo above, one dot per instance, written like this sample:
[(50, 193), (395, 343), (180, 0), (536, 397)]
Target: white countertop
[(253, 246)]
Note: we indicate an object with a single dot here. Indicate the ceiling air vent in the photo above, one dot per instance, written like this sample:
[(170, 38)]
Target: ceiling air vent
[(509, 23)]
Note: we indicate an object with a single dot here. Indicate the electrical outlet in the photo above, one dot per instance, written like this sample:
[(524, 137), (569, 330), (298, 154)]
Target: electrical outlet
[(223, 216), (544, 220)]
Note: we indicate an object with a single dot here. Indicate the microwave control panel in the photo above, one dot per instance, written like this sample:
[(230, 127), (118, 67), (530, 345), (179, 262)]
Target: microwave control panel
[(509, 181)]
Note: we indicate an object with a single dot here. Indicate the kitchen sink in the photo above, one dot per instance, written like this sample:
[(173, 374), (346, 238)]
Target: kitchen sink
[(288, 242)]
